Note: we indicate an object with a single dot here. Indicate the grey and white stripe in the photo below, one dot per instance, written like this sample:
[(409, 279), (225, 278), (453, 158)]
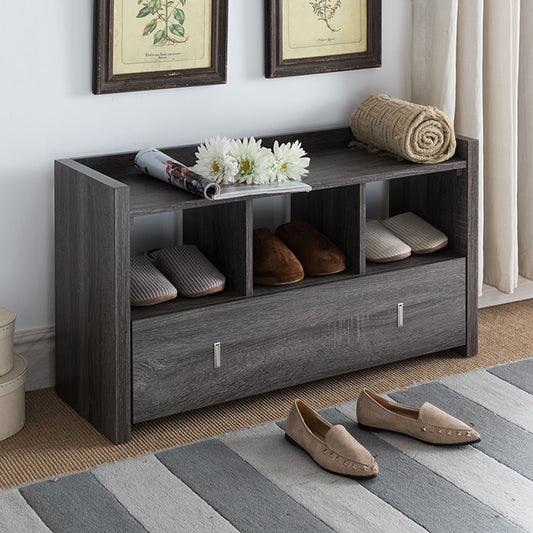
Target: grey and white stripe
[(252, 480), (148, 490), (518, 374), (147, 285), (17, 515), (496, 395), (189, 270)]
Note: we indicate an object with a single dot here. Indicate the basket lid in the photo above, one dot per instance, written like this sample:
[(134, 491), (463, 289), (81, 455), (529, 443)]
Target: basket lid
[(6, 317), (14, 379)]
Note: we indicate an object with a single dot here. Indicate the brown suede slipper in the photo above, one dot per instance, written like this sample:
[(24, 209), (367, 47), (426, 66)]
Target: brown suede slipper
[(318, 255), (274, 263)]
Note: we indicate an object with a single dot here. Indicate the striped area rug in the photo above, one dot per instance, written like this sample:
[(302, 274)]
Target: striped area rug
[(252, 480)]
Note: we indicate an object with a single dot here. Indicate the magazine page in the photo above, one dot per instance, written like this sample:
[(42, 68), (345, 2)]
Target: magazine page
[(242, 189)]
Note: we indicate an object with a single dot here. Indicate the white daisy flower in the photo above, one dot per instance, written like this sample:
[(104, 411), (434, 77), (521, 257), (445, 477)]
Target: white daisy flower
[(214, 162), (264, 165), (289, 163), (254, 162)]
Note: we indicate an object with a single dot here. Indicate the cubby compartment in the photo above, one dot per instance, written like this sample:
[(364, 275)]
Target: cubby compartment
[(335, 212), (440, 199), (118, 365), (221, 233), (339, 214)]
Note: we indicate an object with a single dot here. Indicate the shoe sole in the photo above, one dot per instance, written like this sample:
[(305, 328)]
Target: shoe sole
[(390, 259), (329, 273), (377, 430), (294, 443), (270, 283), (213, 290)]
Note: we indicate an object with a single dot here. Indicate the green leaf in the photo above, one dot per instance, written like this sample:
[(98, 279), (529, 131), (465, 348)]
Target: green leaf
[(159, 36), (178, 30), (144, 12), (150, 27), (179, 15), (156, 6)]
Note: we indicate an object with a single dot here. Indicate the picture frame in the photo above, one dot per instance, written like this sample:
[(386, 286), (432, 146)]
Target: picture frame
[(154, 44), (312, 36)]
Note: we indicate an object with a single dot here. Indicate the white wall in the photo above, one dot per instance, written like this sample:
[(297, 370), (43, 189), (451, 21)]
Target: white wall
[(48, 112)]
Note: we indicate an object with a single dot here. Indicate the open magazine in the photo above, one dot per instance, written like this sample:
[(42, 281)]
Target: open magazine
[(162, 167)]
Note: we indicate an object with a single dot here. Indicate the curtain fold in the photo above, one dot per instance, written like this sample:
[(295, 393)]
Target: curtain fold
[(471, 60), (469, 93), (500, 77), (434, 53), (525, 143)]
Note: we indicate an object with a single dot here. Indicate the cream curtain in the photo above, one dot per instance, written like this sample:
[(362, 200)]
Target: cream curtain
[(471, 60)]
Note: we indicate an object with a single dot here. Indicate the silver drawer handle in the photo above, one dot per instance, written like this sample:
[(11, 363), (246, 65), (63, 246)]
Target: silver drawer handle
[(400, 315), (216, 355)]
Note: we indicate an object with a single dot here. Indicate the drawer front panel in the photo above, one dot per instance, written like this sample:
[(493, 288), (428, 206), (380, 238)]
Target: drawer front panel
[(291, 337)]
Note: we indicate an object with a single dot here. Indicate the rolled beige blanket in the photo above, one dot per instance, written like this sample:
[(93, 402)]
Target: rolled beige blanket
[(421, 134)]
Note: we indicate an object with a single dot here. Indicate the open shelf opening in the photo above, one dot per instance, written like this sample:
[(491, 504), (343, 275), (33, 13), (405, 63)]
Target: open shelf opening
[(441, 200)]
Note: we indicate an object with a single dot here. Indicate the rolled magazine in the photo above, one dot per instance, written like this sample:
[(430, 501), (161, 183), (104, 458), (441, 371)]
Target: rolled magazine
[(162, 167), (159, 165)]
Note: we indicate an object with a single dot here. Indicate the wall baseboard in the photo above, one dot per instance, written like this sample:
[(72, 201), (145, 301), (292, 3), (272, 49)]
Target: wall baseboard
[(492, 296), (37, 345)]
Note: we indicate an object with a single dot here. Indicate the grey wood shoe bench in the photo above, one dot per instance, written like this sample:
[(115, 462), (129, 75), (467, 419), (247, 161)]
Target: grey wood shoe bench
[(118, 366)]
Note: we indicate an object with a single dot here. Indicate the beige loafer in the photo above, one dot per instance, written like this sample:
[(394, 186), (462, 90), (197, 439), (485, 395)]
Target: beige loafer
[(331, 447), (428, 424)]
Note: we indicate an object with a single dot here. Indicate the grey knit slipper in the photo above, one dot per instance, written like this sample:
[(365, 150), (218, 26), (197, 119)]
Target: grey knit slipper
[(189, 270), (147, 285), (422, 237), (382, 246)]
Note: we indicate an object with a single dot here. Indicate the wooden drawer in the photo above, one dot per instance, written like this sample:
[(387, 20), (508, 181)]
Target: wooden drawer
[(291, 337)]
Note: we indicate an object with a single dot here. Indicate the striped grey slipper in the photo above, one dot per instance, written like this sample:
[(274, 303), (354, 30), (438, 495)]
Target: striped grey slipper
[(422, 237), (382, 245), (189, 270), (147, 285)]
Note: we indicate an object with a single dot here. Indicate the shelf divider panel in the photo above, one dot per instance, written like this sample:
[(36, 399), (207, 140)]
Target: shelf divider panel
[(339, 214), (223, 232)]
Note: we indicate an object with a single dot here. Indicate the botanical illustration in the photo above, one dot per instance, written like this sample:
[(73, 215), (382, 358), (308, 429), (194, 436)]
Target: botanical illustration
[(168, 19), (325, 11)]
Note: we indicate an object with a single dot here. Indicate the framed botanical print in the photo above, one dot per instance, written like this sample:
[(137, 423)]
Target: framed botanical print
[(153, 44), (310, 36)]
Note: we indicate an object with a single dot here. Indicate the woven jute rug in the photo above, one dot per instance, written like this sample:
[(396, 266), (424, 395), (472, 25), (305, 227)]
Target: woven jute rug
[(56, 440)]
